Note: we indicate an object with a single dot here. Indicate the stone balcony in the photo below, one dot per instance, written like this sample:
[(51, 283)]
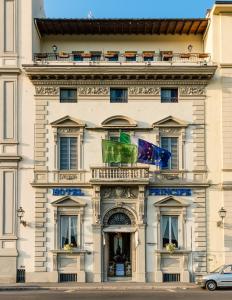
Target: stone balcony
[(139, 59), (120, 174)]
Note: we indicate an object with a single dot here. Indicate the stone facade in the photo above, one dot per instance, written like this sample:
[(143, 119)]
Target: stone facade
[(123, 214)]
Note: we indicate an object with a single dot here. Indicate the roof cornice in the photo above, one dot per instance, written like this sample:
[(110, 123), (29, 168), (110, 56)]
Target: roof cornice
[(171, 72)]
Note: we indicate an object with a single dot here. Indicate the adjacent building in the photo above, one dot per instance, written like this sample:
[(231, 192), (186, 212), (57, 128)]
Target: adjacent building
[(67, 84)]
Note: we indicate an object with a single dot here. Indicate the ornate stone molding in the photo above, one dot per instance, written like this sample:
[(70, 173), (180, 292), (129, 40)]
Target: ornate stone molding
[(144, 91), (94, 90), (170, 131), (119, 192), (119, 210), (124, 82), (68, 130), (46, 91), (192, 91)]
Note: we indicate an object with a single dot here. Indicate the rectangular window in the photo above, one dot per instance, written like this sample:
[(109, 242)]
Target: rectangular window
[(171, 144), (169, 226), (118, 95), (68, 95), (169, 95), (68, 230), (68, 153)]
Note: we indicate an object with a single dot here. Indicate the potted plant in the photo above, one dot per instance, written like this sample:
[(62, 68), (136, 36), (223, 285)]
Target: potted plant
[(68, 247), (170, 247)]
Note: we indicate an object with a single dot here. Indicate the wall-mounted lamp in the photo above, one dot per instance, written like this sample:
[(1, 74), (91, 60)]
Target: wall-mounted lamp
[(222, 214), (20, 214), (54, 48), (190, 48)]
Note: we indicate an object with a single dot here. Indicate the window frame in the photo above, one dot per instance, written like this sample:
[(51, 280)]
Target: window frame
[(169, 230), (68, 100), (123, 100), (75, 208), (172, 99), (170, 206), (77, 153), (170, 150), (69, 228)]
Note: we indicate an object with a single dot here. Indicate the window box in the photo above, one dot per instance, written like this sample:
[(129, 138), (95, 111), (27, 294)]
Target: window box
[(86, 55), (185, 55), (63, 55), (203, 55), (166, 55)]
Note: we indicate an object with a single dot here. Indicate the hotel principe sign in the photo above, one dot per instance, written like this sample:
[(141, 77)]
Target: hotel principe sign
[(67, 192), (169, 192)]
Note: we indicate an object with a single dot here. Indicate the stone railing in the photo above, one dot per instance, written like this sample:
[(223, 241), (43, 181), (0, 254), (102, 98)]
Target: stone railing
[(121, 58), (178, 175), (120, 173), (59, 177)]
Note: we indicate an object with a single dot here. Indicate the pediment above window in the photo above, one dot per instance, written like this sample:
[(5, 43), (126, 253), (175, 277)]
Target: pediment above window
[(119, 122), (170, 121), (68, 121), (67, 201), (170, 201)]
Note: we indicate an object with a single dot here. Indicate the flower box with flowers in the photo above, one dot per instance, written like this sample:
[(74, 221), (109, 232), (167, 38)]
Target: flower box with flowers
[(170, 247)]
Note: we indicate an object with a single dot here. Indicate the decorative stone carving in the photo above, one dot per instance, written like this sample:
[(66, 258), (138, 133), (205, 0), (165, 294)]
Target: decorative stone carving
[(192, 91), (170, 131), (46, 91), (92, 91), (119, 210), (119, 192), (144, 91), (39, 82), (68, 130)]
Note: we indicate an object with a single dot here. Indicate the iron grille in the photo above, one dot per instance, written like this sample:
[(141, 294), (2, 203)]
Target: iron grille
[(20, 276), (68, 277), (171, 277)]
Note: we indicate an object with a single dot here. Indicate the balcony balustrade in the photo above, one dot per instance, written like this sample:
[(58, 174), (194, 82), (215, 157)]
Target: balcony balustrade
[(120, 174), (195, 58)]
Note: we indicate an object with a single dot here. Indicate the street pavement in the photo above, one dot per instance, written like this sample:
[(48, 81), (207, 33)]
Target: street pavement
[(158, 294)]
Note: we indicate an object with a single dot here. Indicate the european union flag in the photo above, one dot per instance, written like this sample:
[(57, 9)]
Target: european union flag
[(149, 153)]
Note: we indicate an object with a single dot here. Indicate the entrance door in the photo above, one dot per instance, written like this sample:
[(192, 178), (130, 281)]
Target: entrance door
[(119, 255)]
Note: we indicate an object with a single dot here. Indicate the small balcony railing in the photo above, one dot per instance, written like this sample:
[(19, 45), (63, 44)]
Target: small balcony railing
[(120, 173), (121, 58), (63, 177)]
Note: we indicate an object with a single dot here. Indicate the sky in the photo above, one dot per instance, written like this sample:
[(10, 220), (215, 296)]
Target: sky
[(127, 8)]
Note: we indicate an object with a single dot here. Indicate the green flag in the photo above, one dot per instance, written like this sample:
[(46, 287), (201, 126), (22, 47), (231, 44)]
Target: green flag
[(115, 152), (125, 138)]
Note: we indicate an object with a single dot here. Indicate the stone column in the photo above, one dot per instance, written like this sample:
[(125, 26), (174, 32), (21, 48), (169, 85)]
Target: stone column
[(97, 253), (141, 254)]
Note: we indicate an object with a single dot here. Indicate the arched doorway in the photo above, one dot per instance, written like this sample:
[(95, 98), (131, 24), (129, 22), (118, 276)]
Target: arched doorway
[(118, 235)]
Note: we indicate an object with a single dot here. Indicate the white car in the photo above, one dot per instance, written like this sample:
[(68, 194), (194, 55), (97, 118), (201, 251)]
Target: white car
[(221, 277)]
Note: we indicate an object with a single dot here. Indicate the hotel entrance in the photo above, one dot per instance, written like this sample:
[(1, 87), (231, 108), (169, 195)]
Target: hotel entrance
[(119, 246)]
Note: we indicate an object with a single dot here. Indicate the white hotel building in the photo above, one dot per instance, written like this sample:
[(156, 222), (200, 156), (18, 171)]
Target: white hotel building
[(66, 84)]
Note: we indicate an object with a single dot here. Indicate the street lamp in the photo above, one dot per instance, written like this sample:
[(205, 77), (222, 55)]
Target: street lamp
[(20, 214), (54, 48), (222, 214)]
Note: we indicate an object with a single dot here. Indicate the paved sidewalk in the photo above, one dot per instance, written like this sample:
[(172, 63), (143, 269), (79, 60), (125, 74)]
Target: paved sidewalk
[(96, 286)]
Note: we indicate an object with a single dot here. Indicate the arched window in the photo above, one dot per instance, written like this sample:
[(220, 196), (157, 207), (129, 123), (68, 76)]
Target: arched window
[(119, 219)]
